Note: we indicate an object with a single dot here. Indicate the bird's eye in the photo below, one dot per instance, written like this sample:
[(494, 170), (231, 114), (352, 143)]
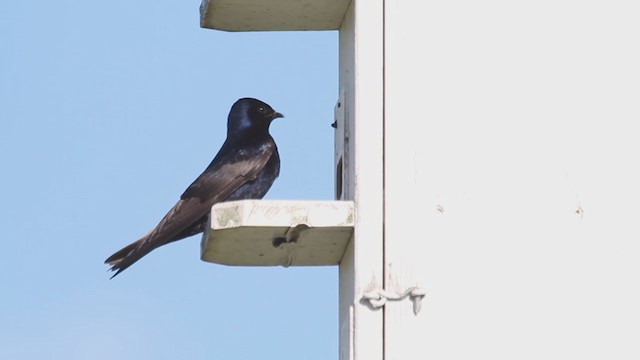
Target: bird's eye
[(261, 109)]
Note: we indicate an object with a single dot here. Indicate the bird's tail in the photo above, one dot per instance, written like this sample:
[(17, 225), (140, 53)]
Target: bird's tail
[(128, 255)]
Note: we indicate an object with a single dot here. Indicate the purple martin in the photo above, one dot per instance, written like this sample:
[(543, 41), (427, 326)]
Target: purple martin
[(244, 168)]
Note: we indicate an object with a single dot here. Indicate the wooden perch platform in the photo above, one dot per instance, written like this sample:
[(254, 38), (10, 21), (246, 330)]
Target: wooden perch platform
[(273, 15), (286, 233)]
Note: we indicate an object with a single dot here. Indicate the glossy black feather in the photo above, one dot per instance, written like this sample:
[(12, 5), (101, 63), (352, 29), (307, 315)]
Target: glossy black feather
[(244, 168)]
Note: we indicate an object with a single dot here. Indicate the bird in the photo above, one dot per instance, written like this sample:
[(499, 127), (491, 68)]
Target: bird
[(245, 167)]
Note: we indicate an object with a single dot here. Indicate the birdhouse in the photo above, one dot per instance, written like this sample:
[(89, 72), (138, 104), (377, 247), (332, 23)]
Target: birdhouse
[(486, 185)]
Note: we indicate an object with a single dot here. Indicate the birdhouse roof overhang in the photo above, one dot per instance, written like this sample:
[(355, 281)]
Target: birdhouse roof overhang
[(272, 15)]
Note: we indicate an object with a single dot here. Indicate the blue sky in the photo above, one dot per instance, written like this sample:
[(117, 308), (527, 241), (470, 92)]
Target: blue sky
[(108, 111)]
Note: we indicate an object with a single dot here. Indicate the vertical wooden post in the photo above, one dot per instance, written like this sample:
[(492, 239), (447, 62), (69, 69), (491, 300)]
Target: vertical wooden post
[(361, 88)]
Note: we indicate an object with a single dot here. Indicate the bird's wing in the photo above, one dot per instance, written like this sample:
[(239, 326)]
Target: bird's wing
[(224, 176), (227, 174), (214, 185)]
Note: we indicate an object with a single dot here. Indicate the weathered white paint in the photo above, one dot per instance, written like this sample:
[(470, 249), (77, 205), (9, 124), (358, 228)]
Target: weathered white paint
[(287, 233), (361, 91), (261, 15), (512, 179)]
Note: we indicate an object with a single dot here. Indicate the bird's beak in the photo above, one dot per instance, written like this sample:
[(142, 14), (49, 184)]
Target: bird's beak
[(276, 115)]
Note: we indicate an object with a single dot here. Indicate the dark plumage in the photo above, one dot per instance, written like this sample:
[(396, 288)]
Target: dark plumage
[(244, 168)]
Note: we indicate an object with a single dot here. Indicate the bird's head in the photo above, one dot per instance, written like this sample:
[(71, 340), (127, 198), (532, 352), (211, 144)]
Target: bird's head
[(250, 116)]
